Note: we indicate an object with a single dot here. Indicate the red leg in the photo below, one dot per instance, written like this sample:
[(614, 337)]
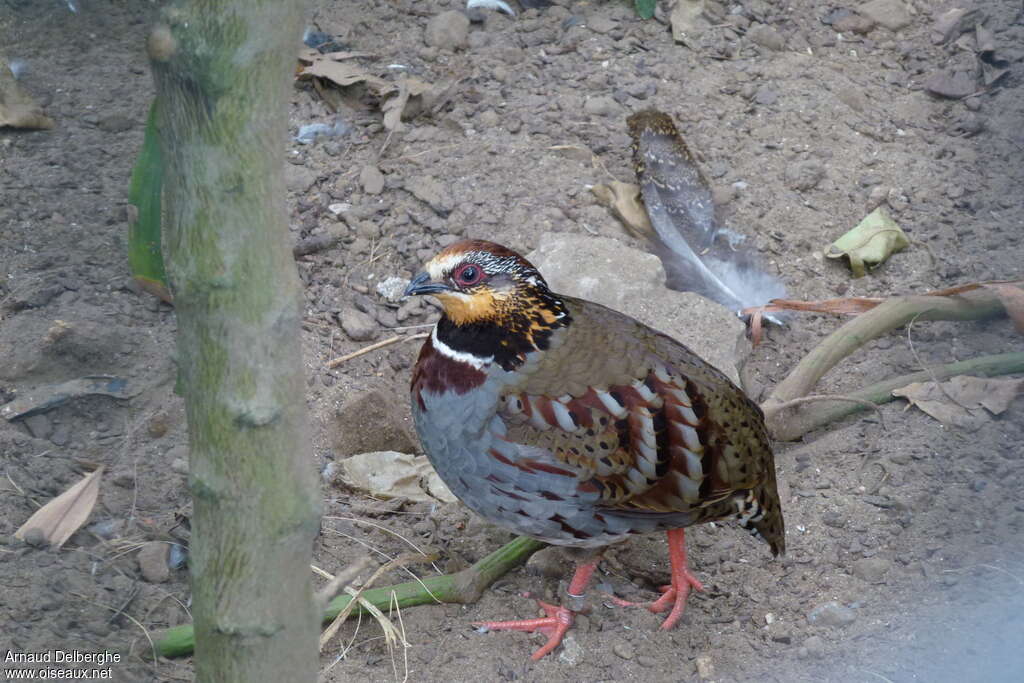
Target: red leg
[(558, 619), (682, 581), (675, 594)]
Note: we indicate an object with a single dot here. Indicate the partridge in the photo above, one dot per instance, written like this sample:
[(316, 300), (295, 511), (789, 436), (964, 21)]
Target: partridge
[(574, 424)]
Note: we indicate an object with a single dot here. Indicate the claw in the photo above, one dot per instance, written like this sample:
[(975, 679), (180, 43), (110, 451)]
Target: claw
[(555, 625)]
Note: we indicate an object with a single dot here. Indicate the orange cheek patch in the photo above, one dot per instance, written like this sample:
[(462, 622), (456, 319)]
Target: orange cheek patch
[(463, 309)]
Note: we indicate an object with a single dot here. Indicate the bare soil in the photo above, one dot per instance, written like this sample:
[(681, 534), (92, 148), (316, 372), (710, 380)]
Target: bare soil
[(914, 529)]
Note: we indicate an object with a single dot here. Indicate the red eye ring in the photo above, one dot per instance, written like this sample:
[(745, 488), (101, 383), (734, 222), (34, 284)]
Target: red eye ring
[(468, 274)]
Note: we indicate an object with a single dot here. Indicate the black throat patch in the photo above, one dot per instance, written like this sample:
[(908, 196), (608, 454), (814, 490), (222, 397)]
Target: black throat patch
[(524, 324)]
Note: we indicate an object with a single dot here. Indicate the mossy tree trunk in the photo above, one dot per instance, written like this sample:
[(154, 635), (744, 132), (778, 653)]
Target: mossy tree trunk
[(222, 73)]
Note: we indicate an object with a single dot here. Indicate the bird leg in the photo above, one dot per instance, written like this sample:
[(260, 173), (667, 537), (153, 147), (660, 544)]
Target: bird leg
[(558, 619), (674, 595)]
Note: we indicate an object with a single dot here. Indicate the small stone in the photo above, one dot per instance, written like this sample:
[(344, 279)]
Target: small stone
[(804, 175), (766, 96), (549, 562), (891, 14), (432, 192), (153, 561), (645, 661), (622, 648), (814, 645), (61, 435), (723, 194), (39, 425), (852, 23), (35, 538), (871, 569), (447, 31), (298, 178), (601, 24), (179, 465), (705, 668), (766, 36), (954, 85), (371, 179), (833, 519), (489, 118), (571, 653), (831, 614), (602, 106), (358, 325), (115, 123)]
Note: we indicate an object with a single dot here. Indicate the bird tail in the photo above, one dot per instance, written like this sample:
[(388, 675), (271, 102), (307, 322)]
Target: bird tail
[(761, 515)]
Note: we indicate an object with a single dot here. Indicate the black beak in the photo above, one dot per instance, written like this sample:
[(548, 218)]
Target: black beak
[(421, 284)]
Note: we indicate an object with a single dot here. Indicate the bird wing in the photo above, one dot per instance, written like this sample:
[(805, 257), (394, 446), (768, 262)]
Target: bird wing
[(641, 418)]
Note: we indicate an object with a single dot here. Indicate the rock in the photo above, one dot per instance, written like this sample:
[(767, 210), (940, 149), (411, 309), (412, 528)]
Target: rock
[(954, 85), (831, 614), (115, 123), (298, 178), (39, 425), (853, 23), (582, 266), (766, 96), (549, 562), (372, 420), (804, 175), (601, 24), (35, 538), (572, 653), (358, 325), (871, 569), (179, 466), (766, 36), (433, 193), (372, 180), (833, 519), (891, 14), (489, 118), (153, 561), (602, 106), (623, 649), (61, 435), (447, 31), (705, 668)]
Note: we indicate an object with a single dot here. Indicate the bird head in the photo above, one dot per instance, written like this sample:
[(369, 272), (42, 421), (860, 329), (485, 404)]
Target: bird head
[(492, 297)]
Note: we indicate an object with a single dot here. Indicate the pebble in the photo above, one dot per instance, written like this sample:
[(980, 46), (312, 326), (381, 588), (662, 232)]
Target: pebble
[(871, 569), (571, 653), (358, 325), (39, 425), (298, 178), (804, 175), (623, 649), (831, 614), (115, 123), (35, 538), (891, 14), (601, 24), (766, 36), (371, 179), (766, 96), (602, 106), (431, 192), (645, 661), (447, 31), (705, 667), (549, 562), (489, 118), (179, 465), (152, 560)]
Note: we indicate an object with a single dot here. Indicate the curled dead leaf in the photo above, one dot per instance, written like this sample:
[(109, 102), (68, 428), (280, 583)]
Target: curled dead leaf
[(66, 513), (626, 204)]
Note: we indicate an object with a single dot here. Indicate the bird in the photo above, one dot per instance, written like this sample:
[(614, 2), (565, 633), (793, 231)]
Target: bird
[(574, 424)]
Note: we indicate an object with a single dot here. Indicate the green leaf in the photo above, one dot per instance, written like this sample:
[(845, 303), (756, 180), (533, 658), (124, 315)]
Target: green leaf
[(145, 258), (873, 240), (645, 8)]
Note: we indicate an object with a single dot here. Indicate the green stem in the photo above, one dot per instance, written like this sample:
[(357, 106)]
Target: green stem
[(462, 587)]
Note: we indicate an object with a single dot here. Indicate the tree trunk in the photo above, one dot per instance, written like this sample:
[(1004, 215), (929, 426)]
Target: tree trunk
[(223, 72)]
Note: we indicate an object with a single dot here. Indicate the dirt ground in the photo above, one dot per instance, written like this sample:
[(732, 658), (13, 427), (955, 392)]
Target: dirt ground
[(913, 529)]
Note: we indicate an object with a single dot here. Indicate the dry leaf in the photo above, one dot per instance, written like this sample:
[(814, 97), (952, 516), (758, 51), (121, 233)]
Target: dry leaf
[(625, 202), (403, 101), (1012, 298), (63, 515), (389, 474), (17, 108), (963, 401), (872, 242)]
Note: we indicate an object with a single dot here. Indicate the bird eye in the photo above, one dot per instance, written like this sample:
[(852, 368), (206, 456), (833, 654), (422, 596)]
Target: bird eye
[(469, 274)]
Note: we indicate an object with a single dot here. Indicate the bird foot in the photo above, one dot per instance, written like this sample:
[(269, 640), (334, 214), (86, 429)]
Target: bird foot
[(554, 626), (673, 597)]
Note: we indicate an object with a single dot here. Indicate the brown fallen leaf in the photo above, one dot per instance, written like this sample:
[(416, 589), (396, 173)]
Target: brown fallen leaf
[(63, 515), (1012, 298), (17, 108), (625, 202), (403, 101), (963, 401)]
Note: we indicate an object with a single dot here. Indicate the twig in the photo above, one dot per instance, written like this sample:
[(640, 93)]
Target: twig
[(373, 347), (463, 587), (791, 425), (340, 581), (814, 398)]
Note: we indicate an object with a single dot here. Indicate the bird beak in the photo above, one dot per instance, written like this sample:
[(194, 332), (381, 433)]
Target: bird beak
[(421, 284)]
